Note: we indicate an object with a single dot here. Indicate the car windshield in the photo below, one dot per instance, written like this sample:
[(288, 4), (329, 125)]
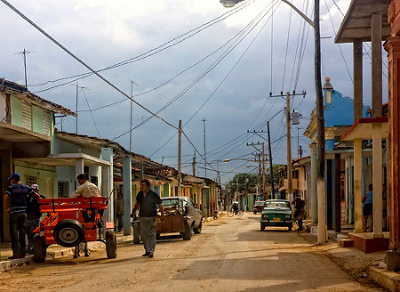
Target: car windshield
[(170, 203), (280, 205)]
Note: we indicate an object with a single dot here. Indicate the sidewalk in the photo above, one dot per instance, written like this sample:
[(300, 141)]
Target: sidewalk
[(367, 268), (53, 252)]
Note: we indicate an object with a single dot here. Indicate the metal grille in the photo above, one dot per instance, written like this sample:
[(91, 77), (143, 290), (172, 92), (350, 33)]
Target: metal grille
[(63, 189)]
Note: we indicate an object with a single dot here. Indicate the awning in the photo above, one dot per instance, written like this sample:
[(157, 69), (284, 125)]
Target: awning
[(14, 134), (64, 159), (362, 129), (357, 21)]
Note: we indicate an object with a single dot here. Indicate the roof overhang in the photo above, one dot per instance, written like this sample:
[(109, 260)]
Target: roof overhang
[(357, 21), (15, 134), (65, 159), (362, 129)]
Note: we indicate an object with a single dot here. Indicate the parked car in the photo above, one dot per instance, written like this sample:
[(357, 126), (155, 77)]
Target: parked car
[(181, 216), (258, 206), (276, 213)]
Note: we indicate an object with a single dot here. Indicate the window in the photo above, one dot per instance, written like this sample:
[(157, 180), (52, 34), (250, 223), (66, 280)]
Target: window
[(95, 180), (30, 180), (63, 189)]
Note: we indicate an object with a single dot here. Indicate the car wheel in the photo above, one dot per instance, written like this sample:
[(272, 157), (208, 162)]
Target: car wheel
[(39, 249), (111, 244), (290, 227), (68, 233), (198, 229), (262, 227), (187, 235), (136, 233)]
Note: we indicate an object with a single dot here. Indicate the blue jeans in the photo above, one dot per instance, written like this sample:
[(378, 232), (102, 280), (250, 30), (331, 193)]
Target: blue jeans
[(18, 232), (31, 225)]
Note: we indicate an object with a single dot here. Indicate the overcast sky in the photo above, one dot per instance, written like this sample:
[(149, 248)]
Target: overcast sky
[(195, 61)]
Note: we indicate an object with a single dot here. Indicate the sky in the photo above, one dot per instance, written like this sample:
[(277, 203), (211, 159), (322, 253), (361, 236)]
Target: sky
[(221, 71)]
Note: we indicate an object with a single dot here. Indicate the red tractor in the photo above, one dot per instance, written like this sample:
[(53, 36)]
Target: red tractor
[(67, 224)]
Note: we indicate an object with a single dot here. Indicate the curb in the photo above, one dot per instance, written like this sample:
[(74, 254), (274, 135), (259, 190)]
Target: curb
[(93, 246)]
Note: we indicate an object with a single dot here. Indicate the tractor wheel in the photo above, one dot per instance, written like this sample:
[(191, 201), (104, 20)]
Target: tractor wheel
[(187, 235), (136, 233), (111, 244), (39, 249), (68, 233)]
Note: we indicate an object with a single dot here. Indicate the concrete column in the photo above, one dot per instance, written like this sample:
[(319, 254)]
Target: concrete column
[(107, 183), (393, 48), (377, 179), (322, 236), (358, 78), (314, 177), (127, 184), (338, 205), (376, 47), (358, 185), (79, 168)]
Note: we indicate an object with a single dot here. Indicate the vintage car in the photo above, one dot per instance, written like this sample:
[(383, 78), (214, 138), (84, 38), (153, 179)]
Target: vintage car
[(258, 206), (181, 216), (276, 213)]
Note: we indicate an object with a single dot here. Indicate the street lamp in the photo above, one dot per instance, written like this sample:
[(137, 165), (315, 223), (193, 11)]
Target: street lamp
[(322, 235)]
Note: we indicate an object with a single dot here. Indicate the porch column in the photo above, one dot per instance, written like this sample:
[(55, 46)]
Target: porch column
[(358, 80), (357, 185), (127, 184), (107, 183), (377, 179), (393, 48), (79, 168), (338, 195), (314, 176), (376, 47)]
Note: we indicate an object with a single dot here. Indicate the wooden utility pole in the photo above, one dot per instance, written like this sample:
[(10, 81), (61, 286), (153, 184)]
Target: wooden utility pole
[(271, 169), (289, 150), (179, 158), (263, 170)]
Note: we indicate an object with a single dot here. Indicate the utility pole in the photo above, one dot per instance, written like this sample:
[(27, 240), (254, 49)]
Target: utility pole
[(289, 149), (194, 163), (205, 157), (271, 169), (131, 117), (24, 53), (179, 158), (263, 169)]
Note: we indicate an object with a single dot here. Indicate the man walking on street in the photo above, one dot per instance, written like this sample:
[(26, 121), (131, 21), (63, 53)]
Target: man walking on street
[(119, 210), (86, 189), (33, 215), (299, 211), (18, 193), (147, 202)]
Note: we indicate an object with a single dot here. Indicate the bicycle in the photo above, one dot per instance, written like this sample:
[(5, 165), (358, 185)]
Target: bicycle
[(233, 212)]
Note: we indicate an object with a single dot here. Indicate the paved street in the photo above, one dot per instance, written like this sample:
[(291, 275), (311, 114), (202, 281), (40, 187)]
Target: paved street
[(231, 254)]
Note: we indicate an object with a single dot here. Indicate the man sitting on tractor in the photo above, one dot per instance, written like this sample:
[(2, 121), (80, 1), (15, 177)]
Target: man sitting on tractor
[(86, 189)]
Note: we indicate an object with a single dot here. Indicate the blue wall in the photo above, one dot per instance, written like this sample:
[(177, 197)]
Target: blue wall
[(340, 111)]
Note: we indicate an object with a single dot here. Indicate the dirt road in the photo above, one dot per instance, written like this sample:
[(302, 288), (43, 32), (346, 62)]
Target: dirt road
[(231, 254)]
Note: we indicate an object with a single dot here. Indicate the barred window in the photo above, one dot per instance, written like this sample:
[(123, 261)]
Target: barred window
[(63, 189), (95, 180), (30, 180)]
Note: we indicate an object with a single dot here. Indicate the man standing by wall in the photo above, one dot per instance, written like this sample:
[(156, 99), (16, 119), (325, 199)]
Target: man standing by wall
[(147, 202), (33, 215), (18, 193)]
